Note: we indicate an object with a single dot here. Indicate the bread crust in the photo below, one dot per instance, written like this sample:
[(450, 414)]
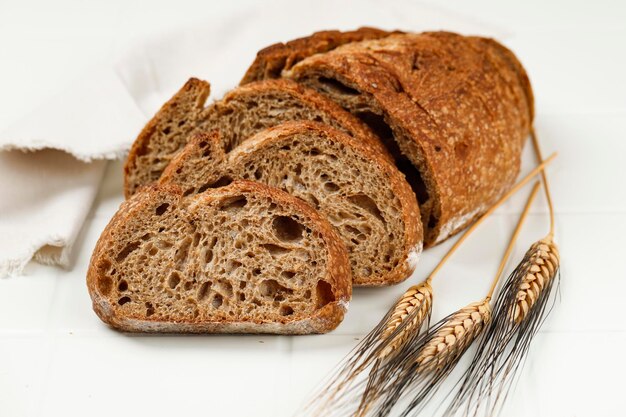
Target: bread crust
[(272, 60), (460, 109), (197, 91), (323, 320)]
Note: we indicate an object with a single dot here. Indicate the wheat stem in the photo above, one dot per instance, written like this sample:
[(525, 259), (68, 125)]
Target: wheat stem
[(544, 178), (513, 238)]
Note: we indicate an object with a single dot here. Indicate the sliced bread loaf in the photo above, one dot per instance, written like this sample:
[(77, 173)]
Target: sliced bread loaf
[(363, 195), (241, 113), (246, 258), (454, 110)]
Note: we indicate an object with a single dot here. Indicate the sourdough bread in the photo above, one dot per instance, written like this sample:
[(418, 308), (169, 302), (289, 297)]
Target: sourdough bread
[(454, 111), (240, 114), (246, 258), (362, 195)]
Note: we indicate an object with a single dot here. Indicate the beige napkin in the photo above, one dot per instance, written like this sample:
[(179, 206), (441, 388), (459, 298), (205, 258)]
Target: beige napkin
[(52, 160)]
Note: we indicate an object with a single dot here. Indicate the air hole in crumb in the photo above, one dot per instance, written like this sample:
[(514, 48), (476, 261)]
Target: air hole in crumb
[(286, 311), (203, 144), (208, 256), (126, 251), (167, 130), (123, 285), (203, 290), (331, 187), (314, 152), (324, 293), (256, 271), (307, 294), (161, 209), (188, 285), (242, 284), (147, 236), (123, 300), (204, 188), (271, 288), (149, 309), (275, 249), (217, 301), (173, 280), (287, 229), (233, 203), (288, 274), (258, 174), (242, 297), (222, 182), (437, 148), (366, 203)]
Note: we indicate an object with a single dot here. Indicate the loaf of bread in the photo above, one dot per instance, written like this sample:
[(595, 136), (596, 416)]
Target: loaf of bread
[(245, 258), (241, 113), (453, 110), (363, 195)]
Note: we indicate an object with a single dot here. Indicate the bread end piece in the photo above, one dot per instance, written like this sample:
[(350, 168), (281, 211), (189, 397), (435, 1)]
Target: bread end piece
[(111, 296)]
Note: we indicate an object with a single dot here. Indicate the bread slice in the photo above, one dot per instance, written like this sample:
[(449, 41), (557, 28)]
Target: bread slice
[(363, 195), (454, 110), (272, 60), (246, 258), (241, 113)]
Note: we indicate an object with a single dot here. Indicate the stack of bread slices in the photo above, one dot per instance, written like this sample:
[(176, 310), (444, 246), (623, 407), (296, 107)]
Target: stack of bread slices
[(334, 162)]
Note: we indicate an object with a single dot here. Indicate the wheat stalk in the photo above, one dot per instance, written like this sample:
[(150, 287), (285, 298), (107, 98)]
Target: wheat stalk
[(538, 269), (454, 336), (414, 305)]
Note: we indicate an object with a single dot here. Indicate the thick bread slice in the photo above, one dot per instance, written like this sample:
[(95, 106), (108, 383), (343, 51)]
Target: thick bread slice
[(457, 108), (363, 195), (241, 113), (246, 258), (272, 60)]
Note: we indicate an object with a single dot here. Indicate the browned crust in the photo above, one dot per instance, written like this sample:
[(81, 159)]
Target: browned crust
[(409, 211), (272, 60), (454, 108), (324, 320), (199, 91)]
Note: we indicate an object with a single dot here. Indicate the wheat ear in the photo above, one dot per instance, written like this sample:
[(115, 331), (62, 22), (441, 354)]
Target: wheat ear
[(429, 359), (520, 309), (538, 269), (413, 308), (454, 336)]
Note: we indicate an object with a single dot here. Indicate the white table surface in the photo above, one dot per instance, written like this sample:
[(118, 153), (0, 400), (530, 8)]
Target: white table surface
[(57, 358)]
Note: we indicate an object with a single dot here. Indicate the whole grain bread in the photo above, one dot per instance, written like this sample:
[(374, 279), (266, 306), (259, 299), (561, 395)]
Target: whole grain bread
[(364, 196), (246, 258), (272, 60), (241, 113), (453, 110)]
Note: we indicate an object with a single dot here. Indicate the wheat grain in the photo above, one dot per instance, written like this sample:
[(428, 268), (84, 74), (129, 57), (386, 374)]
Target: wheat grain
[(542, 262), (414, 305), (454, 336)]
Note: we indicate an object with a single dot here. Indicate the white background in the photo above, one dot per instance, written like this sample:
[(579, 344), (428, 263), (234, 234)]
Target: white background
[(57, 358)]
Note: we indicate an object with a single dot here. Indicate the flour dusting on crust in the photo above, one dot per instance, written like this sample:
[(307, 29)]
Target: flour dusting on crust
[(457, 222), (414, 256)]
